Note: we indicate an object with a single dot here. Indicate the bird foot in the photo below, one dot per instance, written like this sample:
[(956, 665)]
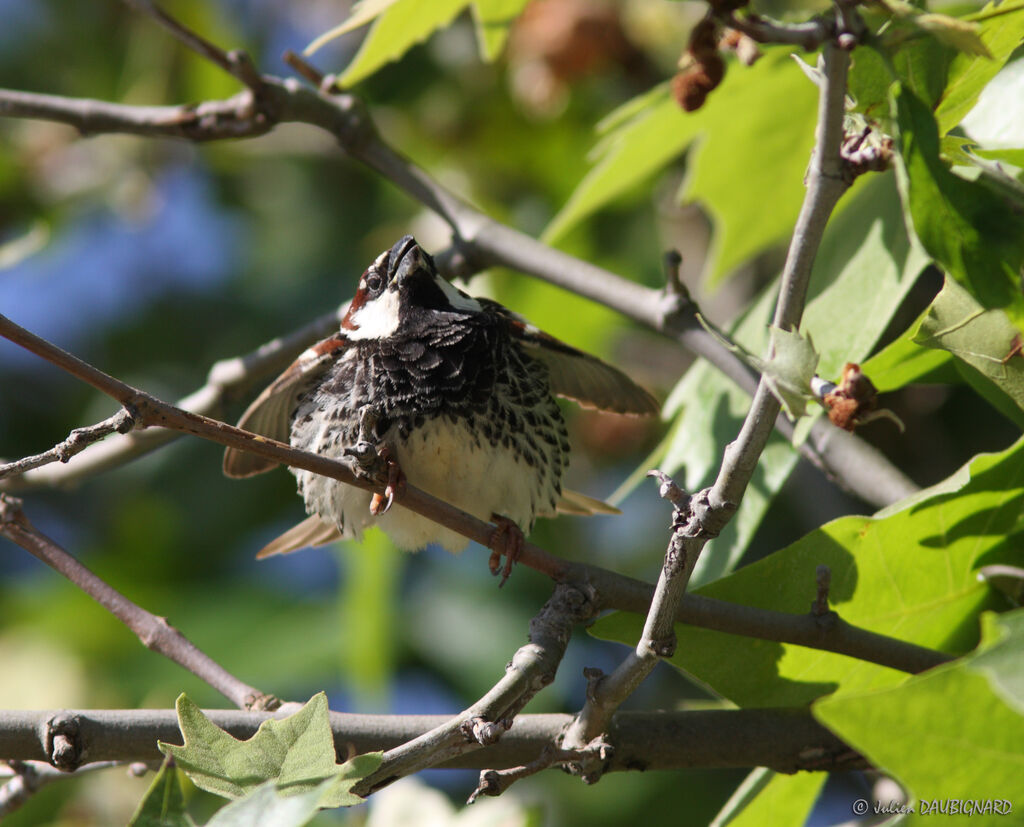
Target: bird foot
[(376, 463), (507, 539)]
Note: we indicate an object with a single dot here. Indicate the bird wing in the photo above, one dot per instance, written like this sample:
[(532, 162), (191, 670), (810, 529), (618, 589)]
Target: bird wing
[(270, 414), (579, 376)]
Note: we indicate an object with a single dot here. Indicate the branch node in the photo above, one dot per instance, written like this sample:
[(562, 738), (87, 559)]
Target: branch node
[(485, 732), (669, 490), (594, 677), (61, 740), (664, 647)]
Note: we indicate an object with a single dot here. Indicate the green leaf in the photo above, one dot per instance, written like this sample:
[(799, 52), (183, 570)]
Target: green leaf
[(492, 19), (772, 799), (1001, 29), (962, 35), (998, 658), (974, 231), (981, 338), (265, 805), (164, 802), (864, 268), (296, 752), (362, 13), (910, 574), (971, 750), (730, 175), (397, 29), (905, 362), (789, 369)]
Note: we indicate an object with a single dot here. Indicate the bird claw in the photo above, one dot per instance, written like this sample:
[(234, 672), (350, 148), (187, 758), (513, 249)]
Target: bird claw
[(507, 539), (381, 503)]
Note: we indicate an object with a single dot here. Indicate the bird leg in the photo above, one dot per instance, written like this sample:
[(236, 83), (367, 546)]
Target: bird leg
[(507, 539), (380, 503), (375, 460)]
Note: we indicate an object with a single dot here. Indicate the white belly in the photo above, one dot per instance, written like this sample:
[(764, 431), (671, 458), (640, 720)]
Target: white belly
[(446, 460)]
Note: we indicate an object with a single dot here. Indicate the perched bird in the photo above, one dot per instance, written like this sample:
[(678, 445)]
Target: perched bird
[(455, 392)]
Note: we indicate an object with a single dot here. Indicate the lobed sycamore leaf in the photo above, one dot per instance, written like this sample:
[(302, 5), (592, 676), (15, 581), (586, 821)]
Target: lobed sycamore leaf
[(909, 572), (729, 173), (297, 753), (954, 732)]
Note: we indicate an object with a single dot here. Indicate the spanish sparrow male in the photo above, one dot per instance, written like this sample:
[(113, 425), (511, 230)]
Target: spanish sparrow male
[(455, 390)]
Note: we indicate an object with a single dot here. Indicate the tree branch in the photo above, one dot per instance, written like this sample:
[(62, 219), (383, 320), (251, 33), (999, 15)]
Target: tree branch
[(612, 590), (699, 518), (154, 632), (479, 240), (784, 739), (228, 380), (531, 669), (77, 441)]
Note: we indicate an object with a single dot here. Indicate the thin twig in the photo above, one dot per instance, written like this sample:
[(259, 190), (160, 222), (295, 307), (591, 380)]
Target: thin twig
[(28, 777), (227, 381), (154, 632), (809, 35), (79, 439), (495, 782), (236, 63), (531, 669)]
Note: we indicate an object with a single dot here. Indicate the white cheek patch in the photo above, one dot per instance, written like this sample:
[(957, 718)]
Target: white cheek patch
[(458, 299), (376, 319)]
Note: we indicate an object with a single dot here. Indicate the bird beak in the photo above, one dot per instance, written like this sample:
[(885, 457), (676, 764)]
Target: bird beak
[(406, 258)]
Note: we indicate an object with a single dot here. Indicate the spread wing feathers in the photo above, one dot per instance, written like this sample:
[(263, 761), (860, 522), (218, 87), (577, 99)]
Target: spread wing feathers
[(581, 377), (270, 414), (573, 502), (310, 532)]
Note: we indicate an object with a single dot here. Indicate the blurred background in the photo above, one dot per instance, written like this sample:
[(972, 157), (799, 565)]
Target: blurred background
[(154, 259)]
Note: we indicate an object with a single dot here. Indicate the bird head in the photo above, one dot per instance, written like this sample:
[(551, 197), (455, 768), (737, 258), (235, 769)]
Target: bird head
[(402, 281)]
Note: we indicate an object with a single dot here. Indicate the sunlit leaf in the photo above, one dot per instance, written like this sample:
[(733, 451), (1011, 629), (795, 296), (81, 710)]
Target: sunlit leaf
[(984, 339), (973, 230), (1001, 29), (297, 753), (905, 362), (362, 13), (780, 799), (863, 270), (910, 732), (911, 574), (397, 29), (493, 18), (731, 174)]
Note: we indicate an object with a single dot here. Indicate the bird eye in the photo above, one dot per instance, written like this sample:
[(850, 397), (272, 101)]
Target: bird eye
[(374, 283)]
